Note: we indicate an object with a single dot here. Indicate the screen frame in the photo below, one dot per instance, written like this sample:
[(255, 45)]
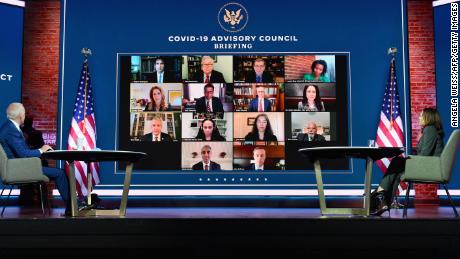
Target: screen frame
[(236, 172)]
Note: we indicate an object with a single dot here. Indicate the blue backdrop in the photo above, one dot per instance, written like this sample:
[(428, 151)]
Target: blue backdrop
[(363, 30), (442, 41), (11, 19)]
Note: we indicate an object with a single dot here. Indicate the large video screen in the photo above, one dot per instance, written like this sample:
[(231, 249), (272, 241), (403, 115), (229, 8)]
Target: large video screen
[(201, 113)]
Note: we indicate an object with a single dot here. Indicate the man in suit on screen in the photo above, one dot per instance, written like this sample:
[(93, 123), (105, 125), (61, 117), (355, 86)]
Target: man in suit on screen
[(162, 76), (206, 164), (260, 104), (259, 155), (259, 75), (156, 135), (310, 134), (15, 146), (207, 74), (208, 103)]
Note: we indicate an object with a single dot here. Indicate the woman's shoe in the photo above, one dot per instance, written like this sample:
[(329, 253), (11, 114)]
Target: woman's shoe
[(381, 210), (381, 205)]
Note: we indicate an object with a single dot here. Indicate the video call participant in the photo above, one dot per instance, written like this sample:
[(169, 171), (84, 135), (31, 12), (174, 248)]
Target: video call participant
[(14, 145), (309, 134), (156, 135), (162, 76), (318, 72), (259, 75), (259, 155), (209, 131), (157, 100), (207, 74), (311, 100), (208, 103), (206, 164), (260, 104), (261, 130)]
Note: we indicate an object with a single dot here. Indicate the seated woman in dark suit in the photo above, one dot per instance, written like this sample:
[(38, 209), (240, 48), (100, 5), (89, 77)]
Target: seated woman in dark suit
[(430, 144), (311, 100), (209, 131), (261, 130), (157, 100)]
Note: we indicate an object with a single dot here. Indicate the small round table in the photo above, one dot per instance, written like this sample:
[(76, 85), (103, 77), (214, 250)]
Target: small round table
[(370, 154), (90, 156)]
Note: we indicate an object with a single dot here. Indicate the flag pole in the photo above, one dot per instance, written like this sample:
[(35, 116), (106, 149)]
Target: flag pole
[(392, 51), (89, 178), (86, 52)]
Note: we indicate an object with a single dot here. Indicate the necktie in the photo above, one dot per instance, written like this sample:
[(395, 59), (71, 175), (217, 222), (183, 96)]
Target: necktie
[(207, 79), (208, 107), (258, 79), (261, 109), (156, 138), (206, 167), (161, 78)]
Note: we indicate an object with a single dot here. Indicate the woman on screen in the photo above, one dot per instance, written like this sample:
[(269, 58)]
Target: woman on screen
[(157, 100), (430, 144), (209, 131), (311, 100), (261, 130), (318, 72)]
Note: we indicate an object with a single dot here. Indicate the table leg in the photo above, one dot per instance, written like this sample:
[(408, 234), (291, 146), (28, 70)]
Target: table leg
[(89, 182), (320, 186), (367, 185), (73, 190), (124, 196)]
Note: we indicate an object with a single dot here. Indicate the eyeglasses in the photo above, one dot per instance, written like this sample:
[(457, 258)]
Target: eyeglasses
[(206, 152), (207, 64)]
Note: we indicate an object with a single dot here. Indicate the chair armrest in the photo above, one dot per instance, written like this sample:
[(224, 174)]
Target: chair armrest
[(23, 170), (423, 168)]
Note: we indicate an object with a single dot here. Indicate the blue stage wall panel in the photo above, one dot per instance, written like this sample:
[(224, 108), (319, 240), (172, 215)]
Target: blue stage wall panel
[(11, 19), (442, 27), (364, 30)]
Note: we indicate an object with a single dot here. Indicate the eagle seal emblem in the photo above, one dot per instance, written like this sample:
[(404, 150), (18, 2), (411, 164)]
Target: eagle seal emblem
[(232, 17)]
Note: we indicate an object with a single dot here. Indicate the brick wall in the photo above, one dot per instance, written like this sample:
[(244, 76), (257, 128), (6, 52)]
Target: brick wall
[(297, 66), (422, 76), (41, 65)]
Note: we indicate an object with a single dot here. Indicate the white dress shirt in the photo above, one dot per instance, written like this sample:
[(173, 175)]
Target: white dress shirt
[(160, 77)]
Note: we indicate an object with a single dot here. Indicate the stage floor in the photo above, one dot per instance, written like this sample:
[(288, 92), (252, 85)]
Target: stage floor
[(229, 232), (421, 212)]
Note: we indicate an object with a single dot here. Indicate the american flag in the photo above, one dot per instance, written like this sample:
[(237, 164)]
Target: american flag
[(83, 128), (390, 132)]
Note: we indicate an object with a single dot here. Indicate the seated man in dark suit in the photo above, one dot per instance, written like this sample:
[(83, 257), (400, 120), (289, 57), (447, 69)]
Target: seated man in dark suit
[(15, 146), (206, 164), (209, 103), (156, 134), (310, 134), (259, 155), (207, 74), (260, 104), (259, 75)]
